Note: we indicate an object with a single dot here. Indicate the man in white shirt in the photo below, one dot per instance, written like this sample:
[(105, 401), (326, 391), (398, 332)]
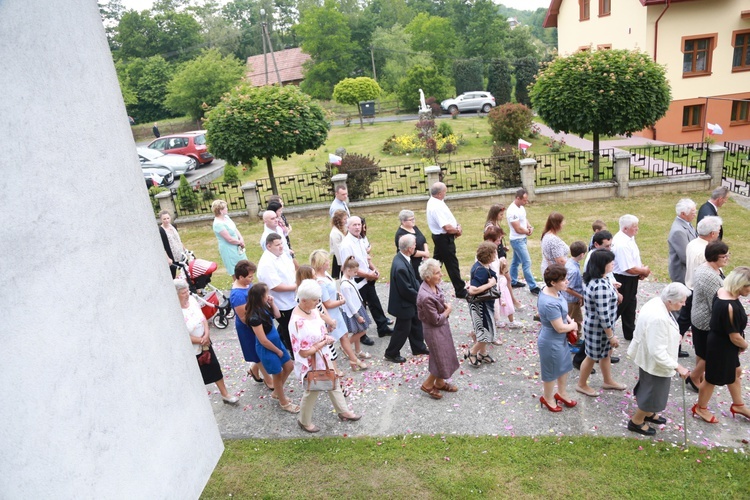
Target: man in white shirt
[(519, 230), (270, 225), (339, 202), (367, 275), (445, 229), (628, 271), (277, 270)]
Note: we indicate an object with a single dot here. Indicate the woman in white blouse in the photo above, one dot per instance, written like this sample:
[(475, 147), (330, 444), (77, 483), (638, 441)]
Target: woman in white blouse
[(338, 231)]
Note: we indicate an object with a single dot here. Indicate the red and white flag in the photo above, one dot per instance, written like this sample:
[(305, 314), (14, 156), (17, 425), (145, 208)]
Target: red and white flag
[(334, 159), (714, 129), (523, 145)]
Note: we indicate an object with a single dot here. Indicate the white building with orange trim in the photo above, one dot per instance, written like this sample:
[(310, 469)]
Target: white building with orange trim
[(704, 44)]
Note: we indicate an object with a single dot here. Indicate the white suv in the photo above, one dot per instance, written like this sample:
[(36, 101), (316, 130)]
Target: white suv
[(470, 101)]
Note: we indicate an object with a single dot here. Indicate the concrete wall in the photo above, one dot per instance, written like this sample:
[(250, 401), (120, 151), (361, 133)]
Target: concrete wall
[(101, 393)]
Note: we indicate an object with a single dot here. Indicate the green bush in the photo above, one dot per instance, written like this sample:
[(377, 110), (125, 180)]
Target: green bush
[(526, 69), (444, 129), (505, 166), (428, 79), (186, 196), (499, 81), (231, 175), (361, 172), (468, 75), (509, 122)]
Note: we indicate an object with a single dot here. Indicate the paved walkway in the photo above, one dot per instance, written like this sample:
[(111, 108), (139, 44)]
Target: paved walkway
[(497, 399)]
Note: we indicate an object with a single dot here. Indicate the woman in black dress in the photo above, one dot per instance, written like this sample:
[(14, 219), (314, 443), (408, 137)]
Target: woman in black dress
[(409, 226), (726, 340)]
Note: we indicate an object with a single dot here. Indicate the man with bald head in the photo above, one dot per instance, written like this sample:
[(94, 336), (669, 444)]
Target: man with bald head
[(367, 275), (271, 225), (445, 229)]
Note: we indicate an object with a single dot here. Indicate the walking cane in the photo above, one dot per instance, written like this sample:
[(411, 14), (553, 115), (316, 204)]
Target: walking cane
[(684, 414)]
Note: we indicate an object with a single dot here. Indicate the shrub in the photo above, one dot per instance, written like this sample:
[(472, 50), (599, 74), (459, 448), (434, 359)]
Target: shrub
[(434, 106), (526, 69), (468, 75), (231, 175), (361, 172), (444, 130), (509, 122), (499, 81), (340, 152), (505, 166), (186, 196), (152, 192), (556, 145), (535, 131)]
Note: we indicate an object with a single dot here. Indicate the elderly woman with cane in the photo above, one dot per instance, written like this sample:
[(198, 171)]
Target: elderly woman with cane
[(654, 348)]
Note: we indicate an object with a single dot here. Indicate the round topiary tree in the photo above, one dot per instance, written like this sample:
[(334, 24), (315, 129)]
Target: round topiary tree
[(263, 122), (352, 91), (604, 92)]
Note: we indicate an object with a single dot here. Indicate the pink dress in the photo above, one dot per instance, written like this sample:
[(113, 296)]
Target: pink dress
[(502, 285)]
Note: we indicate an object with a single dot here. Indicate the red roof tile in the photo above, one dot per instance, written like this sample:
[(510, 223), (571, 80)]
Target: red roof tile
[(288, 61)]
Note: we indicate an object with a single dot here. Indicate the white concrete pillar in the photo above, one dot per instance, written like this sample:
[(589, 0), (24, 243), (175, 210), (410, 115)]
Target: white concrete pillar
[(101, 394)]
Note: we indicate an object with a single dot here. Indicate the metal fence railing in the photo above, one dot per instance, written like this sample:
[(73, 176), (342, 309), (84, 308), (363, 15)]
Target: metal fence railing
[(669, 160), (736, 172), (575, 167), (199, 198), (298, 189)]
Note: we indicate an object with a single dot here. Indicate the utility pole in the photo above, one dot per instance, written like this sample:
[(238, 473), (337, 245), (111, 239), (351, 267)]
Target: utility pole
[(372, 57), (267, 39), (263, 38)]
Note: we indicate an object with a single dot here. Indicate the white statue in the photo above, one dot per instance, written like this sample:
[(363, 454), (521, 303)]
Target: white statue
[(423, 106)]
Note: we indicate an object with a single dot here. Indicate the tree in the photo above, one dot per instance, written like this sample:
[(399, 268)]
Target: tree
[(172, 35), (263, 122), (354, 90), (148, 78), (520, 43), (203, 81), (326, 37), (434, 35), (499, 81), (603, 92), (426, 78), (393, 56), (526, 70), (468, 75), (509, 122), (483, 30)]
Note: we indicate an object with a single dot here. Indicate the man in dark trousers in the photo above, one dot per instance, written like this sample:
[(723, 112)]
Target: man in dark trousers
[(445, 229), (402, 303), (719, 196), (155, 130)]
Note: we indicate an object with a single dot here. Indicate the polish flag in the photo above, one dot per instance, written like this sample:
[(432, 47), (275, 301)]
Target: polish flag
[(714, 129), (523, 145), (333, 159)]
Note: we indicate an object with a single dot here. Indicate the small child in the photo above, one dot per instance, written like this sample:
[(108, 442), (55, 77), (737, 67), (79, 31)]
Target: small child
[(504, 305), (355, 314), (597, 226), (574, 294)]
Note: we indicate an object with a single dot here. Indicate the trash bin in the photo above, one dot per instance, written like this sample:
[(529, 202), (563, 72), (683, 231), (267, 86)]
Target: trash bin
[(367, 108)]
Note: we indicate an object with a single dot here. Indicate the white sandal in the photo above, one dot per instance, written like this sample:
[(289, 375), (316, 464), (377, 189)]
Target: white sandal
[(363, 355)]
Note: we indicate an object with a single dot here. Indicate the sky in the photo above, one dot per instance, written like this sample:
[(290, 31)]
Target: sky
[(516, 4)]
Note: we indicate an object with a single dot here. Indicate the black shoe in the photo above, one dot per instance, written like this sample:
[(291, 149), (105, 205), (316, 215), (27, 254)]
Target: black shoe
[(518, 284), (365, 340), (390, 321), (682, 354), (537, 318), (614, 359), (535, 290), (659, 421), (691, 384), (648, 431), (421, 353), (396, 359), (577, 366), (385, 333)]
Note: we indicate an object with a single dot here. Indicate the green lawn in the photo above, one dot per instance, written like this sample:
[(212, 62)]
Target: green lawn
[(655, 214), (466, 467)]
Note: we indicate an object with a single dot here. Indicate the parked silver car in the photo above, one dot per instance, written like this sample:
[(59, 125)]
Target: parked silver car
[(178, 164), (470, 101), (157, 176)]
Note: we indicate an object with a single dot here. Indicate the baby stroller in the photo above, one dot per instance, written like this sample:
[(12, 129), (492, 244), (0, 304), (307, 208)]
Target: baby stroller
[(214, 304)]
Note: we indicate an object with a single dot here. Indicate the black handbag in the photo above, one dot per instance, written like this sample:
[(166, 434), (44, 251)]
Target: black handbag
[(488, 295)]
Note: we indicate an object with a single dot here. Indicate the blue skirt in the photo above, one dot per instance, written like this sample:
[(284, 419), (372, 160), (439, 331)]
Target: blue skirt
[(270, 360)]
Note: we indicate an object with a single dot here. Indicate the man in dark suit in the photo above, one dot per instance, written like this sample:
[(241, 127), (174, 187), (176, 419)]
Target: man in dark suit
[(402, 303), (719, 196)]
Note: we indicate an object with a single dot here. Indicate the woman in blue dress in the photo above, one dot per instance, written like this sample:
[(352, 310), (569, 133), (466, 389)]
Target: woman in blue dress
[(231, 243), (554, 353), (259, 313)]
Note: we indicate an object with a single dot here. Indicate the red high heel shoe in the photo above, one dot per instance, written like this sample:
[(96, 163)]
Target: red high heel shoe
[(731, 409), (569, 404), (553, 409), (695, 412)]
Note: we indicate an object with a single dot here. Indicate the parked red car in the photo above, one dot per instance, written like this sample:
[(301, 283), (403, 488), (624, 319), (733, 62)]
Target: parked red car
[(192, 144)]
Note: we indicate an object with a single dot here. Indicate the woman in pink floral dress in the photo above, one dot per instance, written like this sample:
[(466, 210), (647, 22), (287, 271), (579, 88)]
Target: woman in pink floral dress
[(309, 338)]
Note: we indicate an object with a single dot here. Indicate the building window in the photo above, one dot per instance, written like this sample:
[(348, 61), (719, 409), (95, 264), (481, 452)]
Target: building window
[(741, 44), (585, 10), (605, 46), (584, 48), (740, 112), (697, 52), (692, 117), (605, 7)]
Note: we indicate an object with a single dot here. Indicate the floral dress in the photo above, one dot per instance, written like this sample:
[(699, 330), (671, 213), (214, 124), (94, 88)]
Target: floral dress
[(304, 333)]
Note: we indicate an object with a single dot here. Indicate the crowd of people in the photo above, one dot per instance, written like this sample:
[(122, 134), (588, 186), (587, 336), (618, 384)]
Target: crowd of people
[(302, 316)]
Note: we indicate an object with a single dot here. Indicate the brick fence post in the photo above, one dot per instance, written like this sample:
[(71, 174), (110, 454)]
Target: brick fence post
[(252, 203), (622, 173), (166, 203), (715, 164), (338, 180), (433, 175), (528, 176)]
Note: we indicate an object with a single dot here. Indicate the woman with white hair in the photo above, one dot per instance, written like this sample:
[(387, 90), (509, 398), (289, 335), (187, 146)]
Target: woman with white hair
[(726, 340), (197, 328), (654, 348), (310, 339), (409, 226)]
